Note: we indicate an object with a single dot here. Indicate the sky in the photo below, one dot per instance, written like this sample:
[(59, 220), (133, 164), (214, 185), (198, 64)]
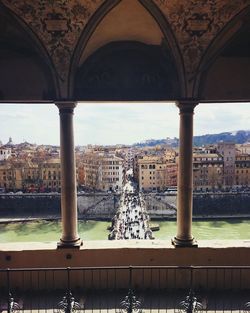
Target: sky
[(116, 123)]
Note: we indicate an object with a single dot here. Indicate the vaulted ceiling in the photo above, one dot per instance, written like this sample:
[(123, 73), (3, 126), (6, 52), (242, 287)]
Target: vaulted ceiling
[(124, 50)]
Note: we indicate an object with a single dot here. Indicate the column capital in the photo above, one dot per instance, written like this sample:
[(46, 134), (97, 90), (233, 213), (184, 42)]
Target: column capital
[(187, 106), (66, 106)]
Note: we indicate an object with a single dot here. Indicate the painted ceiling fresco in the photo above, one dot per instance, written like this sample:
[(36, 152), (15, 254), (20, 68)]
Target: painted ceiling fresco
[(59, 24), (196, 23)]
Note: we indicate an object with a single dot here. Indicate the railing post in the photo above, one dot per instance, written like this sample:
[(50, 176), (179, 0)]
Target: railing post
[(190, 304), (68, 303), (12, 306), (130, 303), (9, 293), (68, 294)]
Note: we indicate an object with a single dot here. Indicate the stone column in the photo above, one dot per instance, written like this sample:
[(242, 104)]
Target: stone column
[(184, 236), (70, 237)]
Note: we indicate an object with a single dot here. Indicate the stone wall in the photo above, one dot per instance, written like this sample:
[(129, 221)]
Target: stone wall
[(222, 204), (204, 204), (97, 206), (104, 205), (160, 205), (29, 205), (90, 206)]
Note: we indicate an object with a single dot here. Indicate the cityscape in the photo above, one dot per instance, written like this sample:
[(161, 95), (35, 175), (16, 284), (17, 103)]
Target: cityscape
[(131, 187), (124, 156), (29, 168)]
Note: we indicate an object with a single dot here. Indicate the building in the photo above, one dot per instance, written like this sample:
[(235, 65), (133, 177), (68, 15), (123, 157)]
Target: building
[(153, 173), (171, 174), (112, 173), (6, 177), (242, 171), (5, 153), (243, 148), (30, 176), (50, 175), (89, 169), (208, 172), (101, 171), (228, 152)]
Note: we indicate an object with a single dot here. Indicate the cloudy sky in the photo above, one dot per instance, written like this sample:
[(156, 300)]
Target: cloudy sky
[(107, 123)]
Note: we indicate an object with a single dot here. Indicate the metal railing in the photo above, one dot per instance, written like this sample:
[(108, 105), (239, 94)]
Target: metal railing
[(125, 289)]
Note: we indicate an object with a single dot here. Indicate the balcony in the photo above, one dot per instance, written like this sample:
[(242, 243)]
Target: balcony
[(126, 289), (100, 274)]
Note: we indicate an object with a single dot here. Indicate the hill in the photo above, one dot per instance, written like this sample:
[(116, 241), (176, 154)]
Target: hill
[(239, 137)]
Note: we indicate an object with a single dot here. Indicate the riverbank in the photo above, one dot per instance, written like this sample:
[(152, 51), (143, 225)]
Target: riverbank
[(103, 206), (47, 231), (205, 217), (23, 218), (46, 218)]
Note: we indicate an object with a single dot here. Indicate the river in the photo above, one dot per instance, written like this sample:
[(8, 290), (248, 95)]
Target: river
[(44, 231)]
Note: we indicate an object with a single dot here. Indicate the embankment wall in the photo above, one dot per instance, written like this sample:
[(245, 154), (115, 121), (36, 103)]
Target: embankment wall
[(104, 205)]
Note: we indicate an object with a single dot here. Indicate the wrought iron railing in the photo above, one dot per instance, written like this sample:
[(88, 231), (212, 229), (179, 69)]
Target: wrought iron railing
[(125, 289)]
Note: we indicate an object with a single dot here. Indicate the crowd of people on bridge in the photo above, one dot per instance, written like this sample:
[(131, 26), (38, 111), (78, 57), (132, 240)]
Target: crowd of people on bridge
[(131, 220)]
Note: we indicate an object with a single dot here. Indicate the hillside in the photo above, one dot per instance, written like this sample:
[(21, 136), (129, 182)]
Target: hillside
[(239, 137)]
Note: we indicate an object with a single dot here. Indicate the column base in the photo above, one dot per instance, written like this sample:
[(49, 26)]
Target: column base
[(70, 244), (180, 243)]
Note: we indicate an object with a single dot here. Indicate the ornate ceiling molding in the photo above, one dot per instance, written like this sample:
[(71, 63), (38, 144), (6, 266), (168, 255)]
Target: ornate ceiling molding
[(196, 24), (58, 24)]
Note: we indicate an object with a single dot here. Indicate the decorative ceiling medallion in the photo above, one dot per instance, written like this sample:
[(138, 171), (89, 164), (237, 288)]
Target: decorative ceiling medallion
[(196, 24), (57, 23)]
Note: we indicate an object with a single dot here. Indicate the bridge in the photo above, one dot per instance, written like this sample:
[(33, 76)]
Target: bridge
[(131, 220)]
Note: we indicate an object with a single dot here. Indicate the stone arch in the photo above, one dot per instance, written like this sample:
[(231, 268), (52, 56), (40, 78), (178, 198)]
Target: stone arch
[(86, 34), (26, 70), (167, 45), (127, 71), (170, 41), (224, 55)]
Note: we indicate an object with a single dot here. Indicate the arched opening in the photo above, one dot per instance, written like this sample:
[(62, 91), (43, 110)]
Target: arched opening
[(123, 71), (120, 26), (25, 74), (230, 70)]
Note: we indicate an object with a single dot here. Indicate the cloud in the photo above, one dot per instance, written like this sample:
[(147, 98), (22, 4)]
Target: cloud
[(124, 122), (33, 123), (221, 117), (111, 123)]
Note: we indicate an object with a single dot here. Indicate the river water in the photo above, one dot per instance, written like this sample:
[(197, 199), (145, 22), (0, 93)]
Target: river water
[(44, 231)]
